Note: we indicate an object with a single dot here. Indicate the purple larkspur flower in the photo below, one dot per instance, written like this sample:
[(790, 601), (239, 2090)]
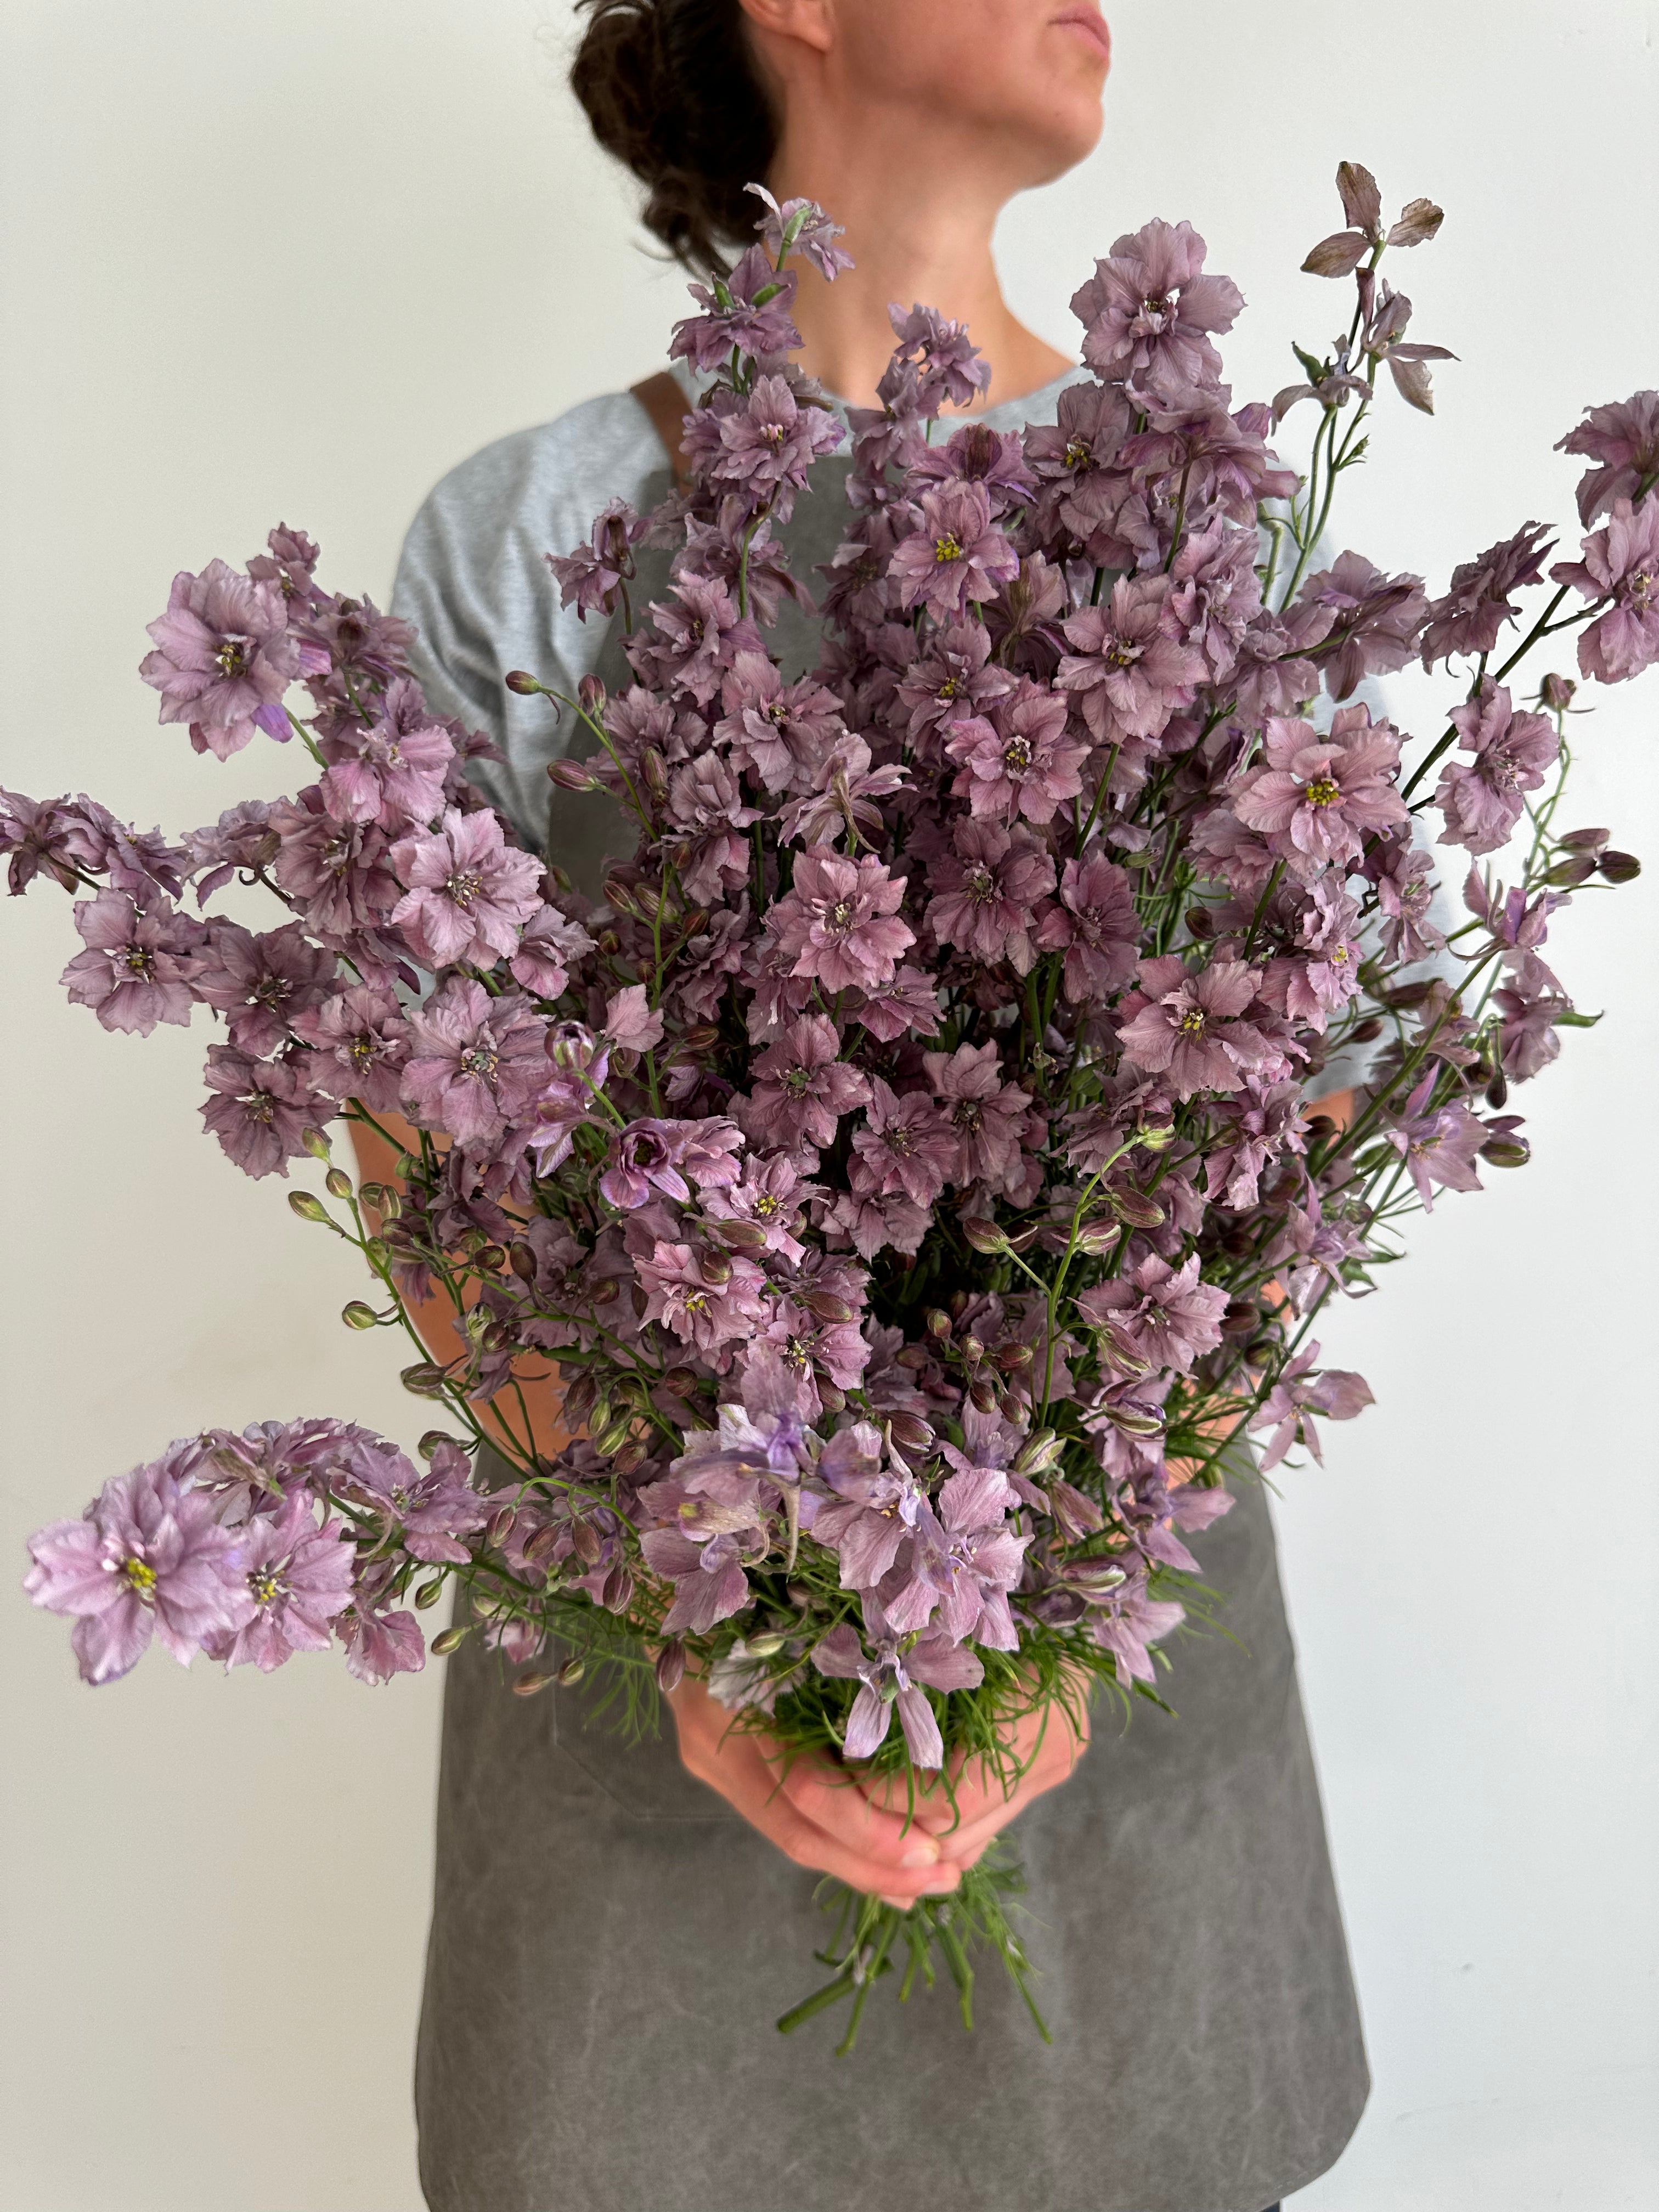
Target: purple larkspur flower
[(965, 1559), (1129, 666), (1530, 1004), (1148, 308), (1322, 982), (1189, 1027), (749, 309), (430, 1509), (1096, 926), (976, 454), (1623, 441), (987, 891), (874, 1505), (361, 1041), (149, 1558), (800, 226), (594, 576), (1481, 799), (987, 1115), (1438, 1143), (1477, 603), (549, 947), (953, 680), (839, 920), (1023, 761), (261, 1109), (821, 1360), (224, 656), (469, 893), (1375, 621), (1163, 1315), (474, 1061), (1192, 448), (782, 732), (1620, 562), (1127, 1623), (262, 984), (693, 638), (891, 1677), (802, 1086), (949, 368), (772, 1194), (957, 556), (770, 442), (706, 1572), (1314, 799), (1404, 894), (379, 1643), (643, 1159), (847, 801), (394, 772), (905, 1144), (336, 873), (1336, 1395), (298, 1576), (290, 562), (138, 966), (702, 1311)]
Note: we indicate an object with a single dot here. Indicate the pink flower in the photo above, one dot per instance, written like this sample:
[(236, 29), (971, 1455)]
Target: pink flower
[(1337, 1394), (1188, 1027), (261, 1109), (906, 1145), (469, 893), (1162, 1314), (263, 984), (361, 1041), (1623, 441), (803, 1086), (958, 557), (1023, 762), (988, 890), (1129, 664), (1481, 799), (1620, 562), (392, 774), (223, 659), (298, 1577), (1097, 926), (839, 921), (135, 971), (1316, 797), (149, 1557), (987, 1113), (474, 1060), (706, 1309), (1147, 308)]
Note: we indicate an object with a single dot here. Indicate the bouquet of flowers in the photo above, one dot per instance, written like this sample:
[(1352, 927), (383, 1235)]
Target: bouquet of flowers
[(908, 1165)]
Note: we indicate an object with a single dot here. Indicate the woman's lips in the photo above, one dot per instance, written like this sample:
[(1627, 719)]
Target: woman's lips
[(1092, 25)]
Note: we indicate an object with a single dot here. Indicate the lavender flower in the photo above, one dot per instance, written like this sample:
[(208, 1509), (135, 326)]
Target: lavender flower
[(891, 1677), (1314, 799), (803, 1086), (1129, 667), (474, 1060), (1148, 308), (1623, 441), (1095, 925), (361, 1041), (298, 1577), (260, 1110), (1188, 1028), (263, 984), (1025, 763), (1472, 615), (1163, 1315), (1336, 1395), (748, 310), (839, 921), (137, 967), (149, 1558), (223, 659), (468, 894), (1438, 1143), (987, 893), (1482, 799), (1620, 563), (959, 555)]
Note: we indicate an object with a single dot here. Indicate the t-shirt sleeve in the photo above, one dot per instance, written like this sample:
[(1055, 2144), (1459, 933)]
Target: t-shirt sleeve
[(473, 578)]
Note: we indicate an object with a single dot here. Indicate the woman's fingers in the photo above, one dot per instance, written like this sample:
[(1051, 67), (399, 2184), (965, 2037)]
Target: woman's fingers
[(832, 1800)]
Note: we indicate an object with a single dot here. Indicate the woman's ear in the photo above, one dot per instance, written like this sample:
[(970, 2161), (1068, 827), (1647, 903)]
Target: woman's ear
[(809, 22)]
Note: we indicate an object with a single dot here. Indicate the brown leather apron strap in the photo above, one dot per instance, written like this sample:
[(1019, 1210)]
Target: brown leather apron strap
[(664, 403)]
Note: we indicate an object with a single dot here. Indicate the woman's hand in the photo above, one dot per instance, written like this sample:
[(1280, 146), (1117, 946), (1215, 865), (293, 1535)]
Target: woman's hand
[(1045, 1743), (817, 1813)]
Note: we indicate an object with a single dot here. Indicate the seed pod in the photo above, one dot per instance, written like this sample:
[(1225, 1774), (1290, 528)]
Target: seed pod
[(427, 1595), (449, 1639), (1620, 867), (824, 1306), (527, 1685), (671, 1666), (572, 1671), (985, 1236), (1506, 1151), (423, 1379), (358, 1316), (308, 1208), (337, 1183)]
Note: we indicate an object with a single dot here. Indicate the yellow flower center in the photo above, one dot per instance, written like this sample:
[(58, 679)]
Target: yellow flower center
[(947, 548), (1192, 1022), (1323, 790), (140, 1574)]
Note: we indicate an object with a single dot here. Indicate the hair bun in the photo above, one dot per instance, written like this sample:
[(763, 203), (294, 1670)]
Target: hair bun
[(670, 88)]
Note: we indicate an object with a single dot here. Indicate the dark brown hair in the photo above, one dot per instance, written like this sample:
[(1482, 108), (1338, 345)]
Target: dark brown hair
[(671, 89)]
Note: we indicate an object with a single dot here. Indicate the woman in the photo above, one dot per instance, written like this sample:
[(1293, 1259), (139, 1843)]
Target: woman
[(616, 1928)]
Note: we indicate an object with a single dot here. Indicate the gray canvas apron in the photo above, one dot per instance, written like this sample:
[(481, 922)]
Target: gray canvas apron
[(611, 1943)]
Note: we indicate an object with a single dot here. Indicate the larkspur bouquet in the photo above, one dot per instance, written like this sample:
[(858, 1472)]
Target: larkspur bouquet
[(908, 1166)]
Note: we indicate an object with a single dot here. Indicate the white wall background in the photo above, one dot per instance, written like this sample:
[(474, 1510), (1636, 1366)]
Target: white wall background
[(294, 262)]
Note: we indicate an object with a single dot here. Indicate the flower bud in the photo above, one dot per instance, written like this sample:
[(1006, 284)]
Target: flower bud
[(521, 681), (1123, 1352), (671, 1666), (1584, 841), (1040, 1450), (1133, 1422), (358, 1316), (654, 771), (1556, 693), (769, 1643), (702, 1039), (427, 1595), (715, 1267), (630, 1459), (501, 1522), (572, 775), (1497, 1090), (740, 1236), (579, 1399), (590, 695), (1014, 1358), (984, 1394), (938, 1324), (484, 1605), (1570, 871), (833, 1401), (527, 1685), (1201, 922), (337, 1183), (618, 1592), (315, 1143), (824, 1306), (309, 1208), (423, 1379), (1620, 867), (1367, 1032), (910, 1432), (449, 1639), (1134, 1206), (572, 1671), (543, 1545), (619, 898), (1155, 1137), (522, 1260), (390, 1204), (1240, 1318), (1506, 1151), (985, 1236), (611, 1439), (377, 1252), (1098, 1235)]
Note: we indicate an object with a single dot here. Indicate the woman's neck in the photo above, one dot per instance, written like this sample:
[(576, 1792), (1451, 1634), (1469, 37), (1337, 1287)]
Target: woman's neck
[(920, 236)]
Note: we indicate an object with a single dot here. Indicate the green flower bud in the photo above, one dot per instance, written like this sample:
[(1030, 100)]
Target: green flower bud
[(427, 1595), (527, 1685), (572, 1671), (985, 1236), (448, 1640), (337, 1183), (523, 683), (315, 1143), (358, 1316), (309, 1208)]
